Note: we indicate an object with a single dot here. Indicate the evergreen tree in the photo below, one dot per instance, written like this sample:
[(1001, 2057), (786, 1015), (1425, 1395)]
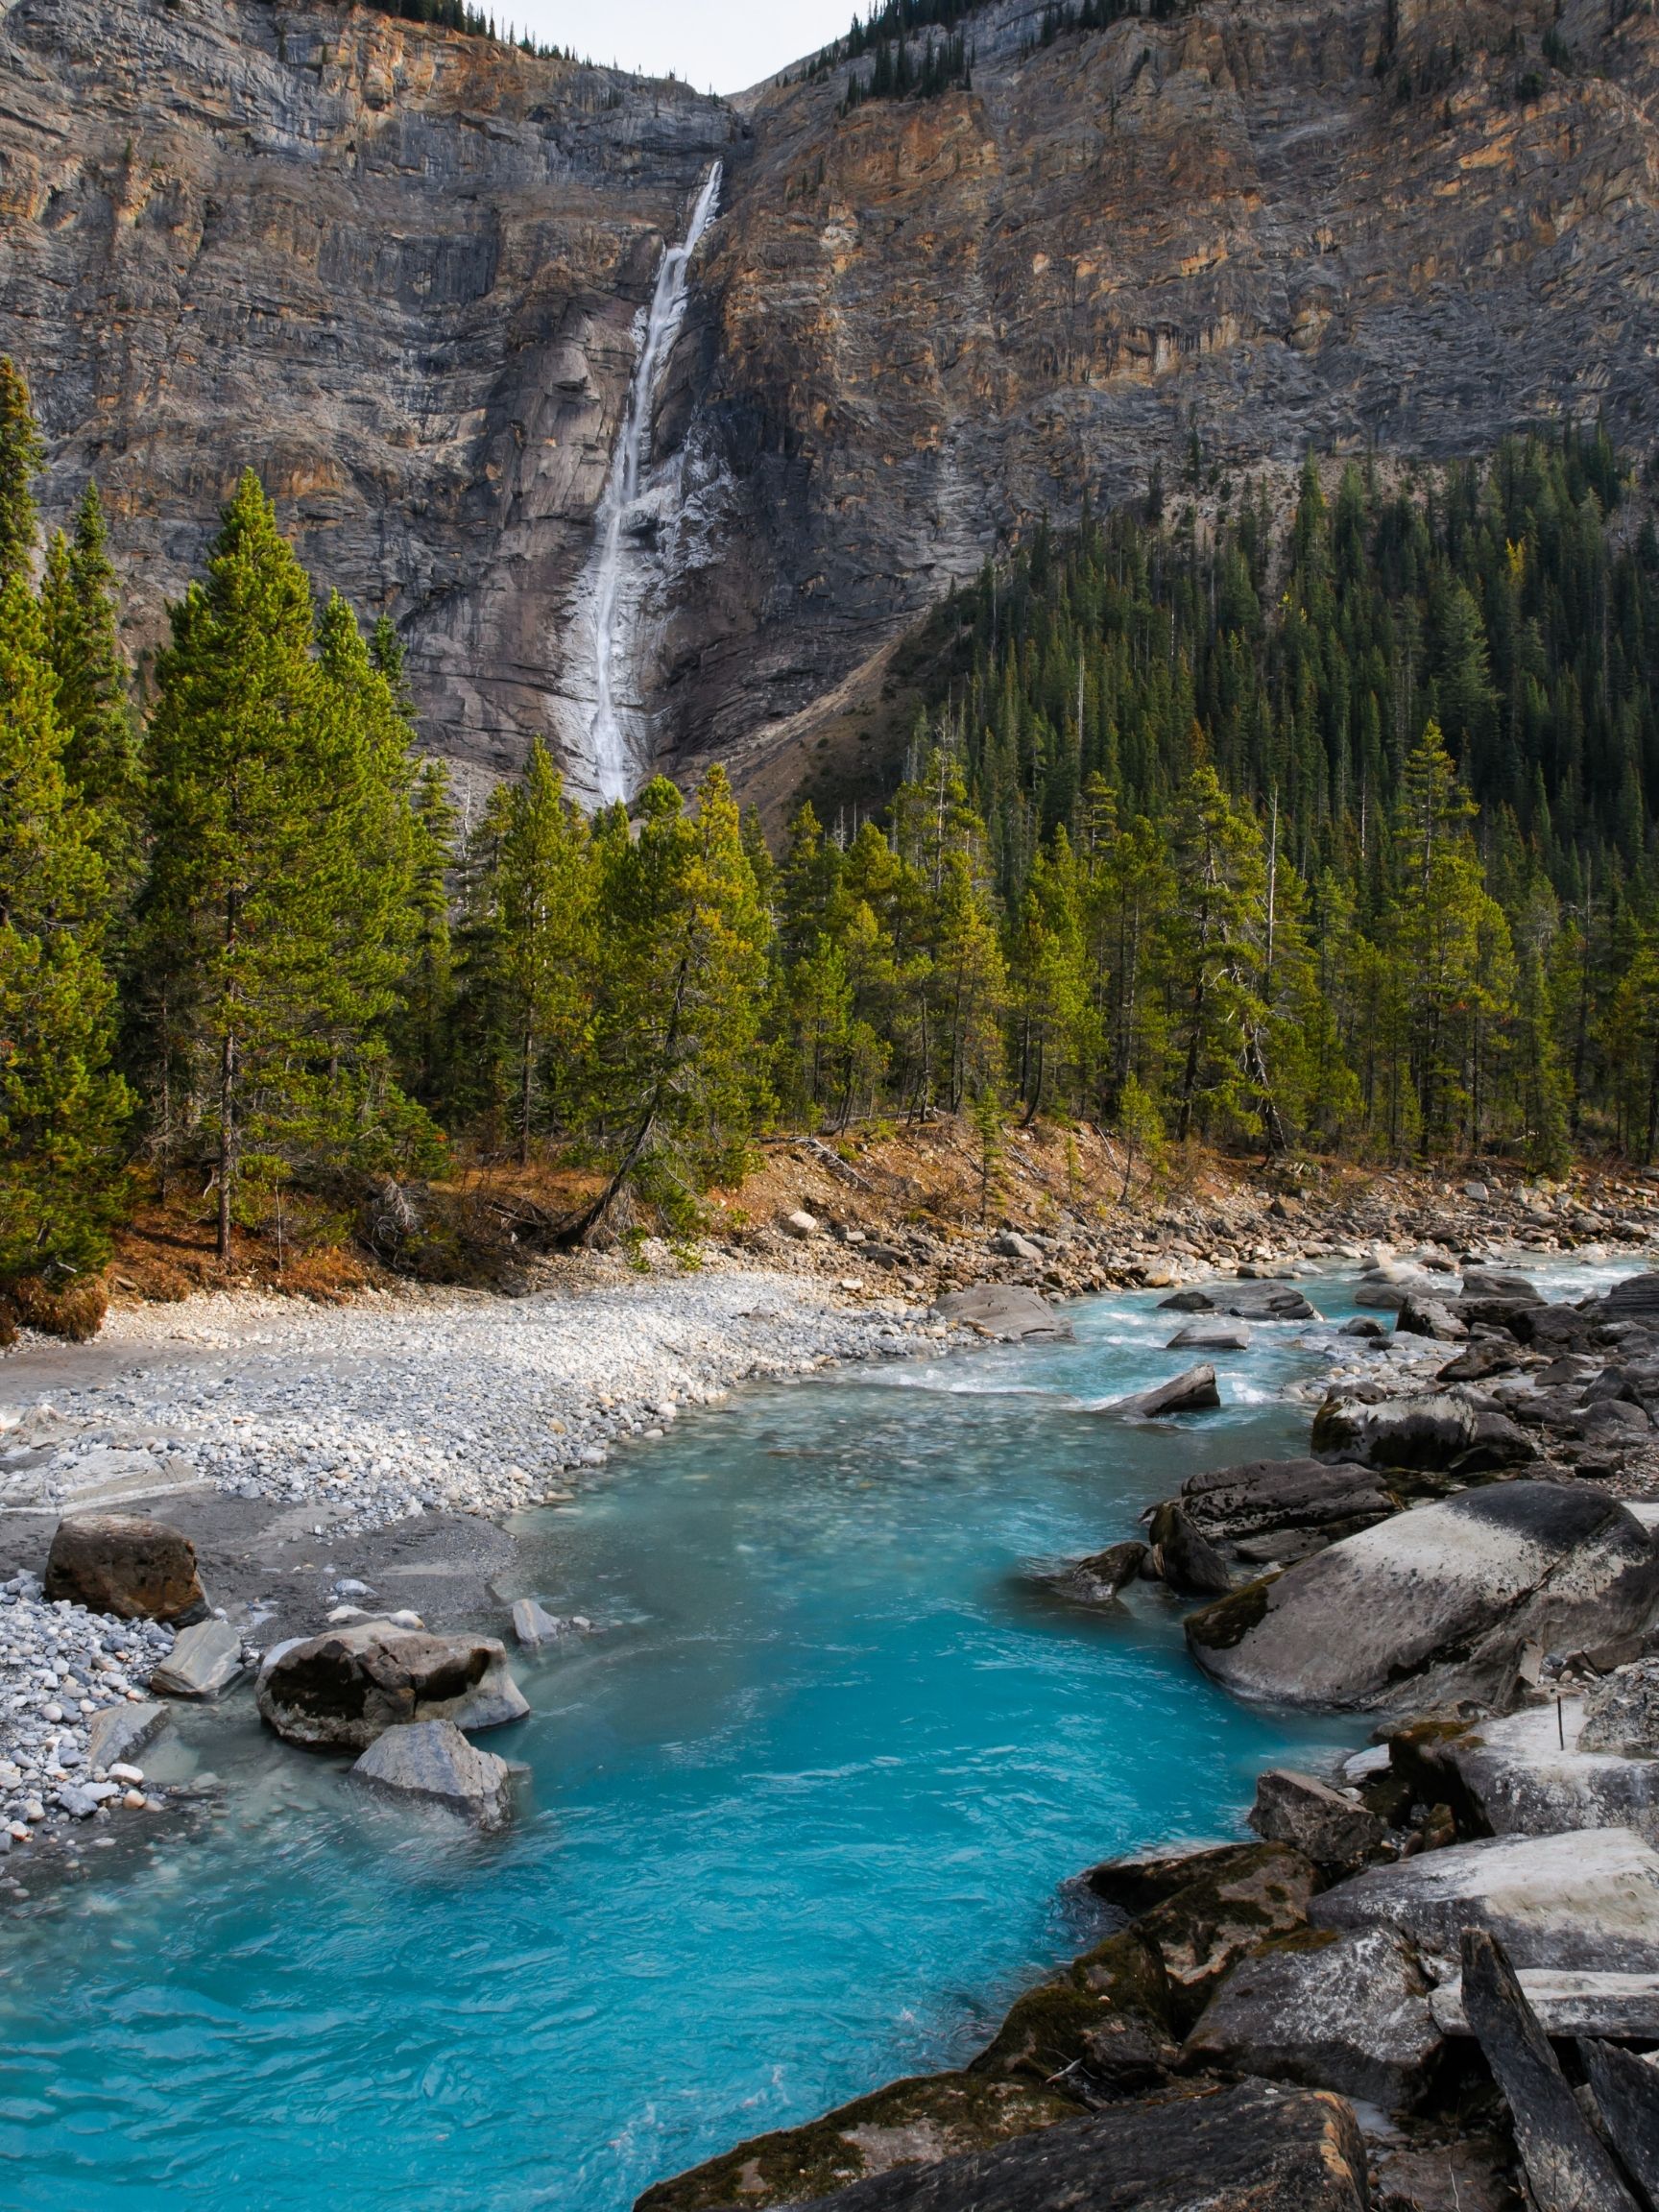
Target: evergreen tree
[(103, 757), (21, 456)]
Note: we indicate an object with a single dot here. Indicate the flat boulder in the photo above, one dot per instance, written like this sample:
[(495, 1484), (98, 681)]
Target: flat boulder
[(1622, 1713), (120, 1732), (1256, 2147), (125, 1565), (1531, 1774), (1431, 1317), (205, 1660), (1270, 1498), (1142, 1879), (1004, 1310), (1436, 1603), (431, 1760), (1192, 1393), (1264, 1302), (1634, 1298), (1425, 1434), (1351, 2014), (349, 1687), (1624, 2006), (1588, 1901), (1499, 1283)]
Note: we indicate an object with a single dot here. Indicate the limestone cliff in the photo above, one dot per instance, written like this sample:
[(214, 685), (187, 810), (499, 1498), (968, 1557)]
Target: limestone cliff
[(398, 270)]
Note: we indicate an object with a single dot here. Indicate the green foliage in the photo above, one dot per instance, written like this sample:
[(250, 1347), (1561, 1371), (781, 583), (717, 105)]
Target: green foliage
[(101, 758), (21, 454)]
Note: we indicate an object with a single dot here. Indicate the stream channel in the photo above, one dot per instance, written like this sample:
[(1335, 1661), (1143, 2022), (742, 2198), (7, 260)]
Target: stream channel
[(800, 1820)]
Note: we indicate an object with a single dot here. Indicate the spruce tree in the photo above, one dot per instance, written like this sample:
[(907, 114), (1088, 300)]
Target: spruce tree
[(21, 456), (101, 758)]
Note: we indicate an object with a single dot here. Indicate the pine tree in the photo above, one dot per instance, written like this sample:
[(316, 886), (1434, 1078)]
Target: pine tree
[(103, 757), (21, 457), (543, 891), (62, 1113)]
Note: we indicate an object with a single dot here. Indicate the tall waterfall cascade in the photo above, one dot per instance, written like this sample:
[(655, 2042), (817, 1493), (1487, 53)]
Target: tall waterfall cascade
[(610, 745)]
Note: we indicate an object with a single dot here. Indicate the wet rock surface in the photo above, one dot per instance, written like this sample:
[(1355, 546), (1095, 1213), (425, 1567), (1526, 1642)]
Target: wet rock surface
[(347, 1687), (431, 1761)]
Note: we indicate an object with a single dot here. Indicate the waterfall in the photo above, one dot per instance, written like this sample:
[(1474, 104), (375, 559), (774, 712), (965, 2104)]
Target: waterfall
[(617, 749)]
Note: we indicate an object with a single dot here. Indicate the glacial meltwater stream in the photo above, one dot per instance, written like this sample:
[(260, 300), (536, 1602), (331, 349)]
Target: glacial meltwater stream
[(798, 1820)]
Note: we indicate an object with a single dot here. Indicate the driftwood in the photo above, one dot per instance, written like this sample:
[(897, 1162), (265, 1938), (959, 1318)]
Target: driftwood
[(1568, 2167), (1627, 2094)]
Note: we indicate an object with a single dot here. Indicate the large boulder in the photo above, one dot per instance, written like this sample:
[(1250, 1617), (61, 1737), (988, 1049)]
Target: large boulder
[(349, 1687), (1264, 1302), (1192, 1392), (1111, 2013), (1215, 1335), (1351, 2014), (1134, 1883), (1184, 1558), (1636, 1298), (1438, 1435), (125, 1565), (1278, 1508), (1256, 2147), (433, 1762), (120, 1732), (1622, 1713), (1003, 1310), (1097, 1580), (1532, 1774), (1424, 1316), (1499, 1283), (1437, 1602), (1222, 1912), (1587, 1900)]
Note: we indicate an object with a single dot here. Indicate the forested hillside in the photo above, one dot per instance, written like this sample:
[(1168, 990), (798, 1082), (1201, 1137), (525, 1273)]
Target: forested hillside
[(1336, 836)]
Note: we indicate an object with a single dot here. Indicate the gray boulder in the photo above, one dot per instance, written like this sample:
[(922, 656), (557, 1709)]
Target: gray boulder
[(431, 1760), (126, 1565), (122, 1731), (1362, 1326), (1588, 1901), (1217, 1336), (204, 1661), (1352, 2015), (1192, 1393), (1140, 1880), (1256, 2147), (1011, 1246), (1622, 1713), (1182, 1558), (1266, 1502), (533, 1626), (1264, 1302), (1531, 1774), (1636, 1298), (1440, 1433), (1423, 1316), (1097, 1580), (1322, 1824), (1569, 2003), (1499, 1283), (1436, 1603), (1004, 1310), (349, 1687)]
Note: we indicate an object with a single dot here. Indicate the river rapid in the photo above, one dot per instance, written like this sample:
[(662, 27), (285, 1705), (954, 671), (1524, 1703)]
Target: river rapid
[(799, 1820)]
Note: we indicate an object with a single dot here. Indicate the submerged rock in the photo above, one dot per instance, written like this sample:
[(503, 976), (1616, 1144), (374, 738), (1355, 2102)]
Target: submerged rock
[(125, 1565), (1097, 1580), (204, 1661), (433, 1761), (349, 1687), (1350, 2012), (533, 1626), (122, 1731), (1586, 1901), (1437, 1602), (1004, 1310)]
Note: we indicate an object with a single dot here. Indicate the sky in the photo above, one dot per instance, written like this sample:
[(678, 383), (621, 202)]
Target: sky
[(719, 45)]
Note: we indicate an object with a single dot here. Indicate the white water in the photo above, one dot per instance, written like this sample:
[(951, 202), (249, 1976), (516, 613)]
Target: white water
[(616, 747)]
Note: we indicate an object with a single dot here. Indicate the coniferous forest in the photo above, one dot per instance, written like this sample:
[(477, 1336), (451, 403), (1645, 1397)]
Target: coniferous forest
[(1322, 829)]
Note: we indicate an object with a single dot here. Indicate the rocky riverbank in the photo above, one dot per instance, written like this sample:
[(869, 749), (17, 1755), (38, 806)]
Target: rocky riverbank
[(1429, 1985)]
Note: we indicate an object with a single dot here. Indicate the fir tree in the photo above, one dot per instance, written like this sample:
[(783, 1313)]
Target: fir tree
[(103, 757), (21, 456)]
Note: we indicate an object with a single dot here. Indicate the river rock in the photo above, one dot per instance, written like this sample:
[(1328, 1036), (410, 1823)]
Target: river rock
[(1011, 1246), (923, 2120), (1192, 1392), (1422, 1317), (204, 1661), (1567, 2166), (1363, 1326), (1142, 1879), (533, 1626), (122, 1731), (1530, 1775), (1111, 2013), (1622, 1713), (349, 1687), (1007, 1312), (1587, 1901), (1218, 1336), (433, 1761), (1436, 1434), (1097, 1580), (1569, 2003), (1634, 1298), (1627, 2094), (1256, 2147), (1352, 2015), (1279, 1508), (1499, 1283), (1320, 1821), (1218, 1915), (1437, 1602), (1184, 1558), (125, 1565), (1263, 1302)]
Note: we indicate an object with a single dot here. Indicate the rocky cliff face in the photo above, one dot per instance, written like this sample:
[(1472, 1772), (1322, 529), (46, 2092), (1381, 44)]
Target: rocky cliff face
[(396, 270), (399, 272)]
